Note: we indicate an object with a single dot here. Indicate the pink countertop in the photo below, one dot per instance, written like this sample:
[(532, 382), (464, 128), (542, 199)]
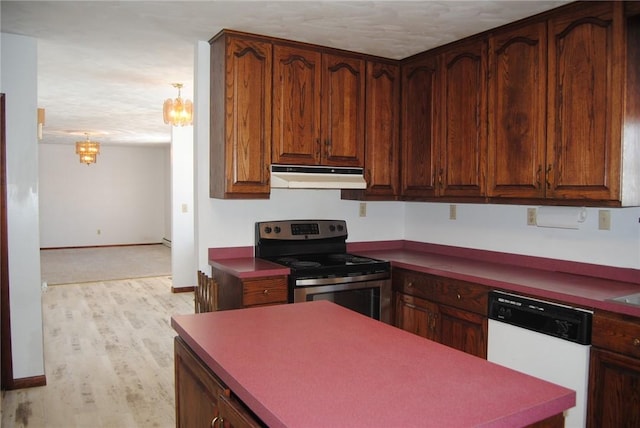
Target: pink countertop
[(580, 284), (316, 364), (583, 291)]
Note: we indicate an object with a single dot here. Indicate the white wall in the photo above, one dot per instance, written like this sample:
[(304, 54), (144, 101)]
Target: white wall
[(19, 83), (123, 195), (504, 228), (183, 259)]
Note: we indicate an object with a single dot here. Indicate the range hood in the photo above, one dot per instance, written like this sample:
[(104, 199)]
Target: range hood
[(316, 177)]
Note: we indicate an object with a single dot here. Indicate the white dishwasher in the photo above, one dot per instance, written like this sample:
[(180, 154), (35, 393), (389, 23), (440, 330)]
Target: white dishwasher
[(545, 340)]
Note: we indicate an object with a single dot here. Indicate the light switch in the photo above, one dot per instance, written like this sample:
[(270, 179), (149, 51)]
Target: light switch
[(453, 212), (604, 220), (185, 208)]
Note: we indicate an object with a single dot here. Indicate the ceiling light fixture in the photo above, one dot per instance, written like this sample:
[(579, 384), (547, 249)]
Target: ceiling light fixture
[(178, 112), (87, 150)]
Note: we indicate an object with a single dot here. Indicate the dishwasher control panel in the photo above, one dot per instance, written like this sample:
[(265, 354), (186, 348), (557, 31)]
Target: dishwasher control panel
[(553, 319)]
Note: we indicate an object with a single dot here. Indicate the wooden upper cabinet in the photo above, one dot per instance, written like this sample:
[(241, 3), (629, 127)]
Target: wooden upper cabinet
[(318, 107), (463, 125), (382, 127), (586, 87), (240, 134), (343, 103), (418, 112), (517, 112), (296, 105)]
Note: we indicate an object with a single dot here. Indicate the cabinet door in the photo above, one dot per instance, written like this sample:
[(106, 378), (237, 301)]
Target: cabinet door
[(296, 105), (463, 129), (343, 102), (419, 150), (585, 101), (197, 391), (614, 390), (240, 118), (517, 112), (382, 125), (417, 316), (234, 415), (463, 330)]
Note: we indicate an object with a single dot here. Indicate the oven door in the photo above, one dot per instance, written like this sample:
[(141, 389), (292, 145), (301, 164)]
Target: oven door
[(370, 298)]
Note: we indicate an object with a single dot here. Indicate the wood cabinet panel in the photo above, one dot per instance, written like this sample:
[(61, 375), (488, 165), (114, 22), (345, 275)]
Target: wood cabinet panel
[(264, 291), (446, 310), (517, 112), (418, 141), (417, 316), (617, 333), (343, 103), (240, 117), (463, 330), (297, 87), (382, 127), (463, 126), (585, 89), (614, 390), (197, 390)]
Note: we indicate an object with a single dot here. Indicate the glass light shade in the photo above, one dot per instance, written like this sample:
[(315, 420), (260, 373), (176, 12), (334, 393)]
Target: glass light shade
[(88, 151), (178, 112)]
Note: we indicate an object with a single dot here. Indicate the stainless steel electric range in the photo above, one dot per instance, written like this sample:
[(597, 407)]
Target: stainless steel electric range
[(320, 267)]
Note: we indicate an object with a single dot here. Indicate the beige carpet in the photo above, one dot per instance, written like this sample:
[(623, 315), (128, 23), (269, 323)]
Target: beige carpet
[(75, 265)]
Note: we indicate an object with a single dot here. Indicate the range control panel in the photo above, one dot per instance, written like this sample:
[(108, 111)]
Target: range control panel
[(292, 230)]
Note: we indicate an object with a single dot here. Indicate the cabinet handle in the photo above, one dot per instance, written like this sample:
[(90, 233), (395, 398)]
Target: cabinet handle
[(265, 292), (458, 296), (538, 174), (547, 176), (216, 419), (409, 284), (440, 174), (636, 342)]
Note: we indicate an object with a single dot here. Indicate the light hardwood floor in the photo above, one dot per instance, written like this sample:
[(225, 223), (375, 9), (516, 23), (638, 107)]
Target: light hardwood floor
[(108, 357)]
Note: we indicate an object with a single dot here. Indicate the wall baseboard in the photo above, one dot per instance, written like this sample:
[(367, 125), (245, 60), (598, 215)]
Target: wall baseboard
[(103, 246), (27, 382), (182, 289)]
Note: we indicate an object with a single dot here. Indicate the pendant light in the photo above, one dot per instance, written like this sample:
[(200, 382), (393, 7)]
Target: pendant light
[(178, 112), (87, 150)]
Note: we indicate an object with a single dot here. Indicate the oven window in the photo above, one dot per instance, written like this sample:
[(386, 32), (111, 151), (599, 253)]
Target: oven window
[(365, 300)]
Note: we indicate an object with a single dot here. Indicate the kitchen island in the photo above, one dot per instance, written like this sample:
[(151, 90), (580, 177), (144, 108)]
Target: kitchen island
[(316, 364)]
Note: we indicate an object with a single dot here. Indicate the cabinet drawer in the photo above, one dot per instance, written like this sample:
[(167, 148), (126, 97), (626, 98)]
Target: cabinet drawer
[(452, 292), (616, 332), (414, 283), (462, 295), (264, 291)]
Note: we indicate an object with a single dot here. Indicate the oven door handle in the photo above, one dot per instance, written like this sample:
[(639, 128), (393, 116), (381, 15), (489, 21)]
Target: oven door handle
[(342, 279)]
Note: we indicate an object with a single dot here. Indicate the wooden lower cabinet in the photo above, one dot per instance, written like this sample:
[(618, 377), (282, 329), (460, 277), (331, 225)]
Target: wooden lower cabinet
[(614, 374), (235, 292), (444, 310), (202, 400)]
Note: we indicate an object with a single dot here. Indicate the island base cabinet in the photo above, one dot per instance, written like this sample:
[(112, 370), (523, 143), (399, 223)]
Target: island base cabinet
[(202, 400), (614, 390), (197, 391)]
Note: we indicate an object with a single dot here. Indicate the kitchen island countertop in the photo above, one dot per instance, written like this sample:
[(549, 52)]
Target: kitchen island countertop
[(316, 364)]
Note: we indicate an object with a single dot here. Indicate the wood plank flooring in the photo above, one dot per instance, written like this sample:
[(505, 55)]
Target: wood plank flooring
[(108, 357)]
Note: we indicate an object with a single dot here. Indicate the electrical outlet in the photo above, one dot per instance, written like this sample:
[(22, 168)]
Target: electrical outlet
[(363, 209), (531, 217), (604, 220), (453, 214), (98, 232)]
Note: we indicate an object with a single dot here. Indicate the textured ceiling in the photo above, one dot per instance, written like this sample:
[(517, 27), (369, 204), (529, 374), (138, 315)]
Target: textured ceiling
[(106, 67)]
